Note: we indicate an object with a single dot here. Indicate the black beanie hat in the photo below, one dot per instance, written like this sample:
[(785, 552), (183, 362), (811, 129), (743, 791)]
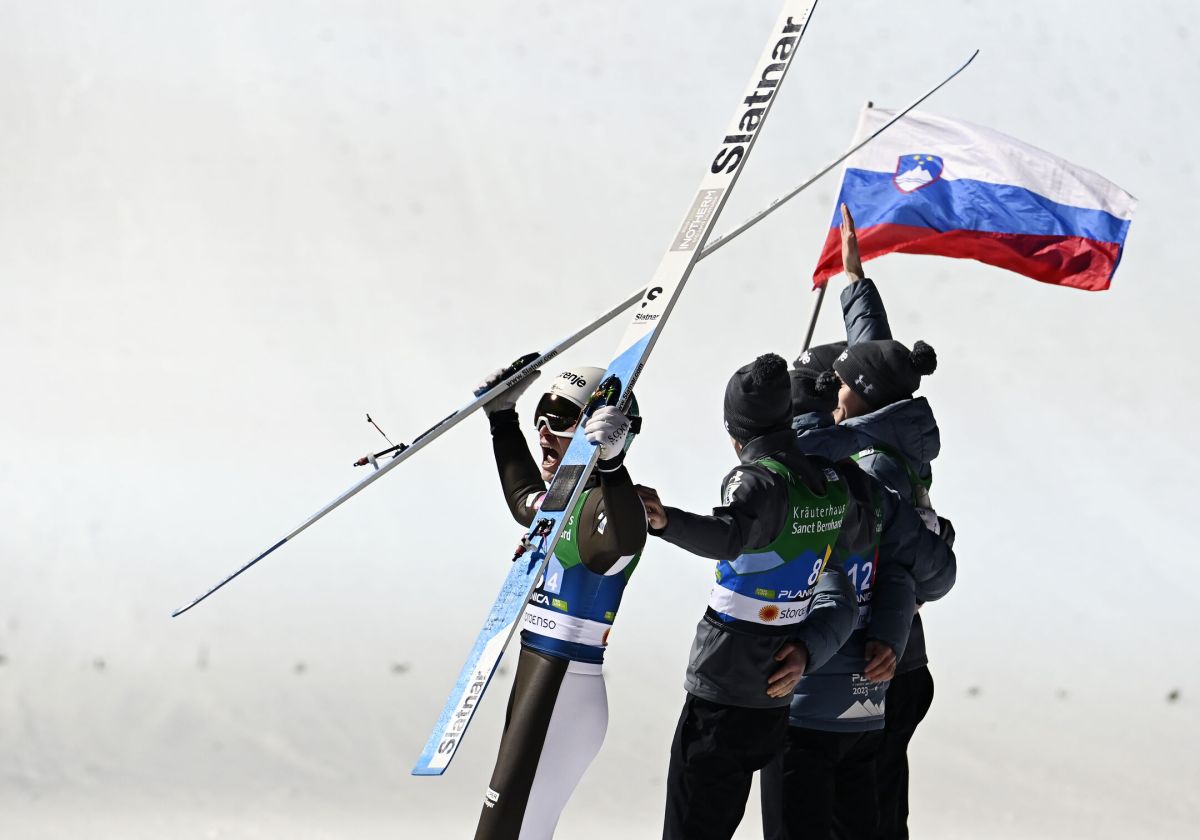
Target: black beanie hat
[(814, 387), (884, 372), (758, 399)]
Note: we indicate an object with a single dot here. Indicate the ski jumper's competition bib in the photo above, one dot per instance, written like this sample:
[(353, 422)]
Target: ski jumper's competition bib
[(572, 608), (772, 587)]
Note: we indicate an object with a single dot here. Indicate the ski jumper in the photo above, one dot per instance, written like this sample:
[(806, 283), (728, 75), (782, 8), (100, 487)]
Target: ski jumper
[(557, 711)]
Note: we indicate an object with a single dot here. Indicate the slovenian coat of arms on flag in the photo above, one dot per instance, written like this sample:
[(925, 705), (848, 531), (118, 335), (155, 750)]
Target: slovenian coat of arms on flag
[(931, 185), (916, 171)]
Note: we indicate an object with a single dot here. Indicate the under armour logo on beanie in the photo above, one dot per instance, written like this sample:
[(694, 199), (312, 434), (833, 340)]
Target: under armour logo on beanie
[(758, 399), (884, 372)]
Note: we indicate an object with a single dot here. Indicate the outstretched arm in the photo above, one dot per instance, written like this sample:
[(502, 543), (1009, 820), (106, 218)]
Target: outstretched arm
[(755, 509), (862, 307)]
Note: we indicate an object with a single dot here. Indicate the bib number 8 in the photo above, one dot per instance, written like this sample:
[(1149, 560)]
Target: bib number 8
[(816, 572)]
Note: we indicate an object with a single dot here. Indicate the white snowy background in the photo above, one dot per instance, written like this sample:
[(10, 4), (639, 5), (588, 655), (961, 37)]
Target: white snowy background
[(227, 230)]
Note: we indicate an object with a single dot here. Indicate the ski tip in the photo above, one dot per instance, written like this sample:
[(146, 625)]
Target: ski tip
[(423, 770)]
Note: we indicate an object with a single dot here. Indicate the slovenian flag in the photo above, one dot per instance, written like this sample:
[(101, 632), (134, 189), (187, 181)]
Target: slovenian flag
[(930, 185)]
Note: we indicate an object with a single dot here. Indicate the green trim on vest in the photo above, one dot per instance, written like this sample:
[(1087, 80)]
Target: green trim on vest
[(793, 540), (567, 549)]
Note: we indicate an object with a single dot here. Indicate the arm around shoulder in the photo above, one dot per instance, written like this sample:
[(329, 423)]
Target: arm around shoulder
[(830, 620)]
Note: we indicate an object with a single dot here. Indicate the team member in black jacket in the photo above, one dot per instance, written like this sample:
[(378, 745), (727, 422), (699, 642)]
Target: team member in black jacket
[(778, 608)]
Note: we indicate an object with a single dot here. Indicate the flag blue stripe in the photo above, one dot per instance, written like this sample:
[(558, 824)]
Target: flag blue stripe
[(964, 204)]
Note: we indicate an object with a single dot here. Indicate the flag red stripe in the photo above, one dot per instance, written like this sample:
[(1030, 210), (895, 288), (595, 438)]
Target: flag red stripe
[(1059, 260)]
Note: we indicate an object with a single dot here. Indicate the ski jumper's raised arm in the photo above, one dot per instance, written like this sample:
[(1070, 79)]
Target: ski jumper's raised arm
[(520, 478), (863, 312), (612, 524), (755, 509)]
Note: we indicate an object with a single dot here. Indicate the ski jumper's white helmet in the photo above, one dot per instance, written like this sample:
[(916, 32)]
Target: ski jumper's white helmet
[(561, 406)]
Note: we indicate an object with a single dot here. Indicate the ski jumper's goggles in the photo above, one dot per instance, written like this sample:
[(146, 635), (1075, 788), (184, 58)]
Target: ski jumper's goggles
[(560, 415)]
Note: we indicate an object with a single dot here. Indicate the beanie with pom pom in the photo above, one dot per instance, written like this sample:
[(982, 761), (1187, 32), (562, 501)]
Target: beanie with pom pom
[(884, 372), (758, 399), (814, 387)]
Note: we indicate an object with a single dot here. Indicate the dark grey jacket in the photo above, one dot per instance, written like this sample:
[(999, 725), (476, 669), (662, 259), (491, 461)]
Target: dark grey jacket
[(728, 665), (900, 441), (837, 697), (928, 560)]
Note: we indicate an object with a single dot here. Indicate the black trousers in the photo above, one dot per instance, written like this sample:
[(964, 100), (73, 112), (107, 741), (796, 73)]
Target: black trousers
[(714, 755), (822, 787), (908, 699)]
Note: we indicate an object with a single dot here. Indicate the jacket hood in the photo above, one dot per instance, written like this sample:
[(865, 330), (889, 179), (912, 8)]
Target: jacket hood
[(802, 423), (908, 427)]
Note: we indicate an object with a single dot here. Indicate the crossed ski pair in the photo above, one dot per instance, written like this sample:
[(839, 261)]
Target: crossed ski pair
[(658, 300)]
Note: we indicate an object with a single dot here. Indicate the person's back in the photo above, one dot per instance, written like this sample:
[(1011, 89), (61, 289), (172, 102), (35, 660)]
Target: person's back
[(778, 605)]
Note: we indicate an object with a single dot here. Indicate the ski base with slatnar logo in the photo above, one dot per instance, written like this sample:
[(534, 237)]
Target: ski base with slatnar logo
[(645, 325)]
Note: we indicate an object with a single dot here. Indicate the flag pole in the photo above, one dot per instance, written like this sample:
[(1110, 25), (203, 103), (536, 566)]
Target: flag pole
[(812, 321), (820, 290)]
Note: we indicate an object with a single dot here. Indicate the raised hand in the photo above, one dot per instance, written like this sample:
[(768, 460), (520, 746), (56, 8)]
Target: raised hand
[(509, 398), (851, 263)]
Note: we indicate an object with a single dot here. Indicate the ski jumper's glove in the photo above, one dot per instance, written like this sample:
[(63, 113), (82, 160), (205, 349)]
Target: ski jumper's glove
[(508, 400), (608, 428)]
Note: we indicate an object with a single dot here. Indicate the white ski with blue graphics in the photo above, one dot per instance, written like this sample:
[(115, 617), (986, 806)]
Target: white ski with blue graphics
[(642, 333)]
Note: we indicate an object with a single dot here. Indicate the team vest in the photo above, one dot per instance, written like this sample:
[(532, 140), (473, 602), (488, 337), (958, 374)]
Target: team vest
[(572, 608), (772, 587)]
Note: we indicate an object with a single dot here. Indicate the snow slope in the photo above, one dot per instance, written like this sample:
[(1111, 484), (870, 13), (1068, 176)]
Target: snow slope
[(227, 230)]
